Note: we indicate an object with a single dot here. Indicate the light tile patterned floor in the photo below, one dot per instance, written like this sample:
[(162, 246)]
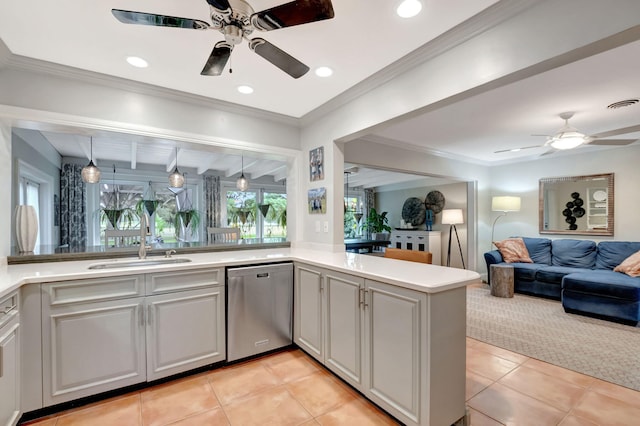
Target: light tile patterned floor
[(290, 388)]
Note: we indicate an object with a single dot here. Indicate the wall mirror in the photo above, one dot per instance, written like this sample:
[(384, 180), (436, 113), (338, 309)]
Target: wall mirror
[(579, 205)]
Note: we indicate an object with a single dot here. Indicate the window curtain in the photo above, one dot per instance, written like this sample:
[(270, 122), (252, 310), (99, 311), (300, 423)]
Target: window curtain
[(369, 203), (212, 204), (73, 221)]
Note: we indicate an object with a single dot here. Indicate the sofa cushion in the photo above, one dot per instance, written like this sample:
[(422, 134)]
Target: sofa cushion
[(554, 274), (539, 249), (526, 271), (513, 250), (613, 253), (630, 266), (604, 283), (573, 253)]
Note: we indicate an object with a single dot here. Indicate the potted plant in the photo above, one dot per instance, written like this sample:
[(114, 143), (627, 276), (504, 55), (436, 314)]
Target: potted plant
[(188, 218), (377, 224)]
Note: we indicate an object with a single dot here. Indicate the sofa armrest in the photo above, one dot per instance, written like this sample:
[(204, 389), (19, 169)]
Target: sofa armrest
[(492, 257)]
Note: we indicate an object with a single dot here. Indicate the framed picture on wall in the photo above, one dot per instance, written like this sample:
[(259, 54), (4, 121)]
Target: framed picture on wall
[(317, 200), (316, 164)]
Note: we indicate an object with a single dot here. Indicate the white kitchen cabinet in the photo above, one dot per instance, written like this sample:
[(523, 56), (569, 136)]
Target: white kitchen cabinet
[(106, 333), (403, 349), (394, 326), (344, 325), (9, 361), (93, 337), (308, 310), (185, 330)]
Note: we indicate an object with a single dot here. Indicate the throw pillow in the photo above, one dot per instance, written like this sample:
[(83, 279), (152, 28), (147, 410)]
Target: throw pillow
[(630, 266), (513, 250)]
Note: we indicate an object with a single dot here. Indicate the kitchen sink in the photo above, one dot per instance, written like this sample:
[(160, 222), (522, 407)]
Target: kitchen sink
[(137, 263)]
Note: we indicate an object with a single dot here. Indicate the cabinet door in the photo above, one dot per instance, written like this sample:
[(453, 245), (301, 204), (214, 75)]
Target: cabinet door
[(90, 348), (185, 330), (344, 299), (9, 374), (394, 329), (307, 311)]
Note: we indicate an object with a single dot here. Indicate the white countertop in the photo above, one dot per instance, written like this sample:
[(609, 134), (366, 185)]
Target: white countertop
[(417, 276)]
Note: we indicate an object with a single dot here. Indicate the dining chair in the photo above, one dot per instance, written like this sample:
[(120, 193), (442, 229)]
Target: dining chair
[(223, 235), (410, 255), (121, 237)]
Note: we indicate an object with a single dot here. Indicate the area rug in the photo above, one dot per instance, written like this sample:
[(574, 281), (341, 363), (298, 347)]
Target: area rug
[(540, 329)]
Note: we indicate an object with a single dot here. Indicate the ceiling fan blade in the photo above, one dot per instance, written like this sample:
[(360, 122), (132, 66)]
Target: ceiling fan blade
[(612, 142), (294, 13), (219, 4), (218, 59), (278, 57), (141, 18), (622, 131), (517, 149)]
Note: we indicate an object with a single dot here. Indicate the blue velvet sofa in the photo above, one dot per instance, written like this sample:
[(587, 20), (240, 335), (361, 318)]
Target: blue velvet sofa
[(580, 273)]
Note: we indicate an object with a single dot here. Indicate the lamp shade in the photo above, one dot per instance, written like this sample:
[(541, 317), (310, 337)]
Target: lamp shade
[(91, 173), (505, 204), (452, 216)]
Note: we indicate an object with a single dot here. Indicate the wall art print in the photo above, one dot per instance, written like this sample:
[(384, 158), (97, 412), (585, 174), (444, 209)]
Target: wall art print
[(317, 200), (316, 164)]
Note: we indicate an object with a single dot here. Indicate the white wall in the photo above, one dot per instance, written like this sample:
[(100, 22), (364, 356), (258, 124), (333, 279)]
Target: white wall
[(455, 198)]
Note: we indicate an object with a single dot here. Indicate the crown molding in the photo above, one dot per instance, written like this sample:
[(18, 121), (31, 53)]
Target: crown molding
[(477, 24), (44, 67)]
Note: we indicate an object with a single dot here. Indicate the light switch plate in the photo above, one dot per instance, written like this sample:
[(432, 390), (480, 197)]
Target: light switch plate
[(325, 226)]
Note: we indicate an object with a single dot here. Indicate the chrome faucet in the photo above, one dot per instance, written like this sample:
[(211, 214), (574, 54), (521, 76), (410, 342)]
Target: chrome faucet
[(144, 232)]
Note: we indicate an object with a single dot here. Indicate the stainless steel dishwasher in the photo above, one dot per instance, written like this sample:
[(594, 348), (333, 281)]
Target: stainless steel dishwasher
[(259, 309)]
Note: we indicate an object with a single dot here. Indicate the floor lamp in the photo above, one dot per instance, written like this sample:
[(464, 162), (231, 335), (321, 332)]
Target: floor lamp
[(453, 217), (503, 204)]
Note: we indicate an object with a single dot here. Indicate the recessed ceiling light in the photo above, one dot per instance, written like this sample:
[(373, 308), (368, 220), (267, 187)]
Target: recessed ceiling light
[(137, 62), (409, 8), (245, 90), (324, 71)]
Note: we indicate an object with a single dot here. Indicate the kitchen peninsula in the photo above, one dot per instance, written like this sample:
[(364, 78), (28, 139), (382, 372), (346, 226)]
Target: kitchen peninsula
[(394, 331)]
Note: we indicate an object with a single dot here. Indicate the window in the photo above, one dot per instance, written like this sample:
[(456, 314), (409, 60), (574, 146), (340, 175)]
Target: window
[(352, 204), (259, 214), (122, 200), (29, 194)]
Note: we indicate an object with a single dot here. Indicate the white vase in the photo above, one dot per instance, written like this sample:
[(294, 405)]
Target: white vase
[(26, 228)]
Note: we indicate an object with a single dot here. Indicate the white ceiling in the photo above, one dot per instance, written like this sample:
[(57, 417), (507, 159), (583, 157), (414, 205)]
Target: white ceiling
[(363, 38), (507, 117)]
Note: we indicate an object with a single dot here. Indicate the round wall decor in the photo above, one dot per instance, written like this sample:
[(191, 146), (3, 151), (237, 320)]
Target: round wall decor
[(434, 201), (413, 211)]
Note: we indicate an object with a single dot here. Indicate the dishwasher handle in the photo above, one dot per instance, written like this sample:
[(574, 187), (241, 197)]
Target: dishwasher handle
[(262, 275)]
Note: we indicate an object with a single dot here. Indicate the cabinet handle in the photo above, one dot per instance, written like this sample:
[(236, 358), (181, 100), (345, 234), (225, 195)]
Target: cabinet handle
[(365, 298), (149, 315), (321, 284), (141, 315), (361, 296)]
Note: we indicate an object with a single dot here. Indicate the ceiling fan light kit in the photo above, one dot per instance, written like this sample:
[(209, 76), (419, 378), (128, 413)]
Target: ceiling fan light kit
[(236, 21)]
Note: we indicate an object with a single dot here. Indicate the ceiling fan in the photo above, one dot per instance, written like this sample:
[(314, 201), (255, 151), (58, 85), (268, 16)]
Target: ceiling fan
[(569, 137), (236, 20)]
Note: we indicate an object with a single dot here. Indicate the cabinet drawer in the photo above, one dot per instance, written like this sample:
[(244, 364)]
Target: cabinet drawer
[(166, 282), (94, 290), (8, 308)]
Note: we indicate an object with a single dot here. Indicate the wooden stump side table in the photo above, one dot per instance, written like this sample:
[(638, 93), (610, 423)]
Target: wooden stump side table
[(502, 280)]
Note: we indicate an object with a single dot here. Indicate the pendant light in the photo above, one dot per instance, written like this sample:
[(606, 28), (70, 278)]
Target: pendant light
[(91, 173), (176, 180), (242, 183)]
